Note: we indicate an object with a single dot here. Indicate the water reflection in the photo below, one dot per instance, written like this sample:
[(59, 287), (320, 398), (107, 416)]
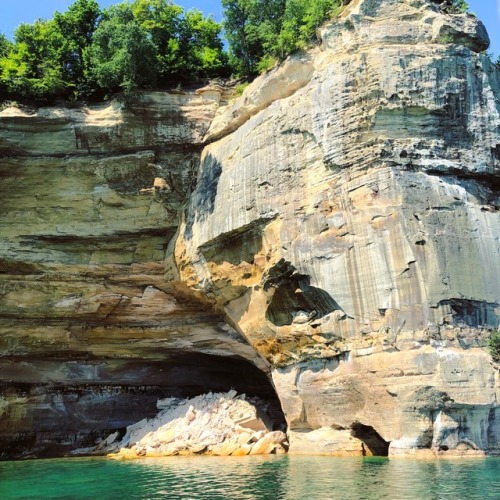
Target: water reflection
[(272, 477)]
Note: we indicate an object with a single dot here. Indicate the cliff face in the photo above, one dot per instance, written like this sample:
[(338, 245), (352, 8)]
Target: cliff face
[(92, 333), (341, 216)]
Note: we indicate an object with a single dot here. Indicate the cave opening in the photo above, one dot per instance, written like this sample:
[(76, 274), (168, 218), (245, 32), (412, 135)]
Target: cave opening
[(63, 417), (187, 375), (294, 296), (373, 443)]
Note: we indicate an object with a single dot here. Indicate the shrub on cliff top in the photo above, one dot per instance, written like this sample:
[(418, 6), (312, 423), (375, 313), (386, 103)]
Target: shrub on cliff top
[(146, 44), (460, 5), (87, 51), (494, 345), (453, 6), (45, 60)]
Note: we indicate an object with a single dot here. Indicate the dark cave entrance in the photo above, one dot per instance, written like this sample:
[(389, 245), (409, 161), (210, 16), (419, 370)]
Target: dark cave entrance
[(373, 444), (191, 374), (294, 295), (61, 418)]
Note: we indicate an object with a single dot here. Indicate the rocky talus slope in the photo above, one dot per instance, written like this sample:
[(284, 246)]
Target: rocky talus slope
[(220, 424), (330, 239)]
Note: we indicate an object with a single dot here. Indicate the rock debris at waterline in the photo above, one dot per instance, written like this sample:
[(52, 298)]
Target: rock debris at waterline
[(219, 424)]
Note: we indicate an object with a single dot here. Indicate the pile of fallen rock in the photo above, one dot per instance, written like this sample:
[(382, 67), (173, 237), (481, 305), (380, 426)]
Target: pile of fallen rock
[(219, 424)]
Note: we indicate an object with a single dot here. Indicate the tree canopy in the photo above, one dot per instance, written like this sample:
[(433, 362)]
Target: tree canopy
[(87, 52), (261, 32), (46, 58)]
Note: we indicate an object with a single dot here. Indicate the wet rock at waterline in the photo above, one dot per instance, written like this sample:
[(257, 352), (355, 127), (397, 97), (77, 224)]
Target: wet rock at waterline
[(327, 242)]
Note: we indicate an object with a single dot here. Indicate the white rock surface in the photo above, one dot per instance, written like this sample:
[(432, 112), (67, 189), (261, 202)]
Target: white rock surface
[(211, 424)]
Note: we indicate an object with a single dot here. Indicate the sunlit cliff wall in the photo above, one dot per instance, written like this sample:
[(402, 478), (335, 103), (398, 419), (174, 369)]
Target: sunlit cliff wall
[(336, 229)]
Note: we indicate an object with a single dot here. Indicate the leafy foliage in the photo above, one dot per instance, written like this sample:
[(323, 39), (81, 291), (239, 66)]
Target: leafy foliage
[(454, 6), (250, 25), (86, 52), (5, 45), (121, 56), (494, 345), (261, 32), (46, 59), (31, 69), (460, 5), (200, 51)]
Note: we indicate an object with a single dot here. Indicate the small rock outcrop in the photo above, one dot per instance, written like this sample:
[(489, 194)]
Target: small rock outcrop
[(328, 242)]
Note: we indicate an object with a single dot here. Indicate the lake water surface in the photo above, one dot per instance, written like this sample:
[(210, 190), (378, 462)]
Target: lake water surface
[(270, 477)]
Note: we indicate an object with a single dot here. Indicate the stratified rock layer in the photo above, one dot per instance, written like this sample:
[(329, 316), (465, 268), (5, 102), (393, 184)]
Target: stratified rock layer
[(335, 230), (92, 332)]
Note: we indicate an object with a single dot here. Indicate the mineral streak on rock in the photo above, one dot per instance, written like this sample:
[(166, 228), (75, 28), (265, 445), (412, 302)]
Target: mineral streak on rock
[(334, 230)]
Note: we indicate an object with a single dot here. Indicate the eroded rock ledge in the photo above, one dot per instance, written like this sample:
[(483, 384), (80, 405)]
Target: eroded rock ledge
[(330, 238)]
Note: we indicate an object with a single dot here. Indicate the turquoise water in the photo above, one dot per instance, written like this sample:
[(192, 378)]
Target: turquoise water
[(273, 477)]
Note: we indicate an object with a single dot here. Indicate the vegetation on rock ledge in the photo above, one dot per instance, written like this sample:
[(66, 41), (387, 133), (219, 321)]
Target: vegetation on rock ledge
[(89, 53), (261, 32), (494, 345), (453, 6)]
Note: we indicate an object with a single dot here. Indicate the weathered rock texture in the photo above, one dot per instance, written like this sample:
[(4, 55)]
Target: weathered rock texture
[(91, 331), (349, 226), (343, 220)]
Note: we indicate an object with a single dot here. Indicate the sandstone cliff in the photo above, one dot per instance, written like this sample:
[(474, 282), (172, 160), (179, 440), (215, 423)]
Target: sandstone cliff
[(91, 332), (335, 230)]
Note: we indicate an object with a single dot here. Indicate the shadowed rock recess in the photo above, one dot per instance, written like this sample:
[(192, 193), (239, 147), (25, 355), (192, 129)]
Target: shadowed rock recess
[(329, 243)]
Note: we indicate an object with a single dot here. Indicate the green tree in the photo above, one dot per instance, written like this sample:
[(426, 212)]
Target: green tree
[(31, 69), (242, 53), (200, 48), (122, 55), (5, 45), (460, 5), (300, 24), (46, 59), (188, 45), (493, 344), (161, 20), (131, 46), (260, 32), (5, 48), (148, 42), (290, 37), (251, 27), (76, 27)]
